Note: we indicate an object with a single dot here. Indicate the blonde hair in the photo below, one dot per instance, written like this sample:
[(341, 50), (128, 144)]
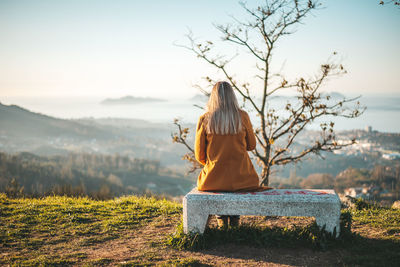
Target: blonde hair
[(223, 112)]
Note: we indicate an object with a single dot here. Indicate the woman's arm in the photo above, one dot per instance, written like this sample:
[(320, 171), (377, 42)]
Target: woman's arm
[(200, 143), (250, 136)]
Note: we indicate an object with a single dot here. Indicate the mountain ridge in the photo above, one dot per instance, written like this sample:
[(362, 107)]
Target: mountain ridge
[(20, 122)]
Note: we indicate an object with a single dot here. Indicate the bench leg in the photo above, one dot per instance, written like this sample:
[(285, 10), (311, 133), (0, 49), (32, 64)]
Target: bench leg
[(193, 220), (330, 224)]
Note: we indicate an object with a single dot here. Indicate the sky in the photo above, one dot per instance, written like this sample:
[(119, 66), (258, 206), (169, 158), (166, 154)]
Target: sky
[(117, 48)]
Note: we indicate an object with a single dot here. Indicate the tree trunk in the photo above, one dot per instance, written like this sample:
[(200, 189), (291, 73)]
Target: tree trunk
[(266, 166), (265, 175)]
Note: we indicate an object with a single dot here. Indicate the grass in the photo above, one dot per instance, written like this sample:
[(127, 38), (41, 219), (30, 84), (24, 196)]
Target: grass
[(382, 218), (30, 226), (59, 231)]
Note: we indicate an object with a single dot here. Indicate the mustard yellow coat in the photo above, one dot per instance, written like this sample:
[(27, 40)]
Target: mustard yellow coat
[(227, 165)]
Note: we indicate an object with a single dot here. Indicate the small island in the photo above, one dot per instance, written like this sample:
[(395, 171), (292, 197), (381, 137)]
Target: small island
[(128, 100)]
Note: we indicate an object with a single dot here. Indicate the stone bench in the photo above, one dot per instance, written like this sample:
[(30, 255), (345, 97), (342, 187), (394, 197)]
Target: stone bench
[(322, 204)]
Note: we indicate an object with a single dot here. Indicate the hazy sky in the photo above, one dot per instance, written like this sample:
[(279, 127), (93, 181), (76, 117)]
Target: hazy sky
[(116, 48)]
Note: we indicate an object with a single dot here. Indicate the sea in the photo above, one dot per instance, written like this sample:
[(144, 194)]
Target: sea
[(382, 112)]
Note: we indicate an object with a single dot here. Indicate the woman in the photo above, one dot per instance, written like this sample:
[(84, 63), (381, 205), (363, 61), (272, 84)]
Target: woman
[(224, 134)]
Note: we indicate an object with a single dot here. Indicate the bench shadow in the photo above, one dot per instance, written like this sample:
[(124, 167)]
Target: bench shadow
[(297, 246), (358, 251), (271, 255)]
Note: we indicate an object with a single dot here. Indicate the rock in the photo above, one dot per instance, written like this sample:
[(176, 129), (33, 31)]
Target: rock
[(396, 205)]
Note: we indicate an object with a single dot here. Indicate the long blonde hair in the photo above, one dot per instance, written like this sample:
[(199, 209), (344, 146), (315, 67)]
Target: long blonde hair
[(223, 112)]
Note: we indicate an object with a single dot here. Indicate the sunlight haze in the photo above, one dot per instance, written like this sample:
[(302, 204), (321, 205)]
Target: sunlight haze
[(117, 48)]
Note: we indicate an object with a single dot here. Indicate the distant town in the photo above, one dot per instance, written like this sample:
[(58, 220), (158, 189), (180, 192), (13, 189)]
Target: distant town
[(387, 145)]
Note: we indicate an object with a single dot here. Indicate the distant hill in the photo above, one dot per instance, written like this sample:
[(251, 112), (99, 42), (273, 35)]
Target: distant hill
[(23, 130), (17, 122), (128, 100)]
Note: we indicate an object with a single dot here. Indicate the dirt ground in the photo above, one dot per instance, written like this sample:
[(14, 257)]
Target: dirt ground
[(143, 246)]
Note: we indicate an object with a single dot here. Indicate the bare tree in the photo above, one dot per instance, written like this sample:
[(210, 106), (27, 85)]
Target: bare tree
[(277, 129)]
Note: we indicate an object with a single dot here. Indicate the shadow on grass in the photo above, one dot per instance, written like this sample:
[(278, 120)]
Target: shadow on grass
[(349, 249)]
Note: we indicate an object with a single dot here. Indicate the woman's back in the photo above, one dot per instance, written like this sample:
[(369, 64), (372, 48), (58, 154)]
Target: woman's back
[(227, 166)]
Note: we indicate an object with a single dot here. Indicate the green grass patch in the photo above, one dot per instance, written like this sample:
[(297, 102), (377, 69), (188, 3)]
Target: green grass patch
[(32, 225), (382, 218), (92, 240)]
